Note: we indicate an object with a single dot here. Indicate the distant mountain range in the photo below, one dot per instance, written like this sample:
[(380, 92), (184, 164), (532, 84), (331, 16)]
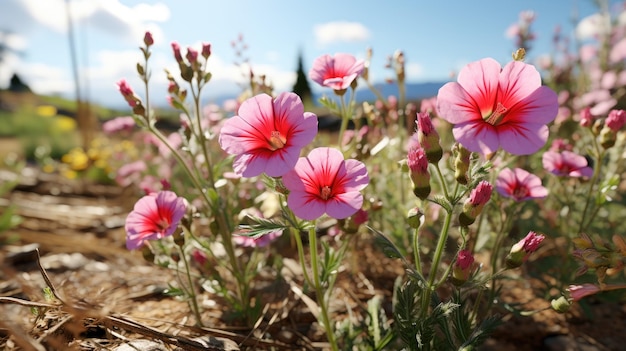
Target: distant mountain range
[(414, 91)]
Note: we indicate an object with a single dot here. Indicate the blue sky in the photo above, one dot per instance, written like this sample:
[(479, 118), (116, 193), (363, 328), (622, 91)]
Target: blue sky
[(437, 37)]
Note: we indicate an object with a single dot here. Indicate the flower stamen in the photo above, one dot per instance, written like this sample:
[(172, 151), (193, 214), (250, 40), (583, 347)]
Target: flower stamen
[(277, 141), (497, 115), (326, 192)]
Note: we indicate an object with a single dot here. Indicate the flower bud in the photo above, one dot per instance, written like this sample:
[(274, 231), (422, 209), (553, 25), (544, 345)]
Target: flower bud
[(462, 267), (519, 54), (607, 137), (616, 120), (522, 249), (586, 118), (473, 206), (177, 55), (418, 171), (206, 50), (415, 217), (428, 137), (148, 39), (561, 305), (461, 163), (577, 292)]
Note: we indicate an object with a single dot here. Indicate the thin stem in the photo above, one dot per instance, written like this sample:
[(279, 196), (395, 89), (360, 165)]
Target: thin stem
[(192, 290), (442, 181), (594, 179), (344, 121), (441, 243), (416, 251), (321, 296)]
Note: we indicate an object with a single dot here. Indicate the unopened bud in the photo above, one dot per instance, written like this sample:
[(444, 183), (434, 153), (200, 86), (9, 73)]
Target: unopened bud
[(607, 137), (561, 305), (415, 217), (428, 137), (522, 249), (206, 50), (148, 39), (461, 163), (519, 54)]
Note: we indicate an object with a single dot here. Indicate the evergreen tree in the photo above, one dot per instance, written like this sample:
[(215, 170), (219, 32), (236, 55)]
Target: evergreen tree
[(302, 87)]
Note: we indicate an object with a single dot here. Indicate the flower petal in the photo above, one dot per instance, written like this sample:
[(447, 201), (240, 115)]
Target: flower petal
[(306, 206), (522, 139), (344, 205), (477, 136)]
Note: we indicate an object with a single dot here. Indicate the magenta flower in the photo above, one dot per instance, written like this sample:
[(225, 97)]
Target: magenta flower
[(566, 163), (323, 182), (267, 135), (336, 72), (520, 185), (154, 216), (494, 107)]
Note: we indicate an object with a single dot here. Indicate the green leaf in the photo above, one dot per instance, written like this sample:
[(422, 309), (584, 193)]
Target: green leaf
[(258, 227), (388, 247)]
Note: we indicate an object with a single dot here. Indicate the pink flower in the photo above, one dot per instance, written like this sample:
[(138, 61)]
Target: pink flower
[(154, 216), (261, 241), (336, 72), (129, 172), (118, 124), (323, 182), (523, 248), (566, 163), (616, 120), (494, 107), (520, 185), (267, 135), (577, 292)]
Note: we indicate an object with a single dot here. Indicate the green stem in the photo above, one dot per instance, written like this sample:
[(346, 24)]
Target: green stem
[(344, 121), (594, 179), (321, 296), (416, 251), (442, 182), (441, 244), (192, 290)]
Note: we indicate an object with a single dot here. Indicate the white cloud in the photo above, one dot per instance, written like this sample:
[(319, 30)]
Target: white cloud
[(592, 26), (414, 70), (341, 31), (46, 79), (108, 16)]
